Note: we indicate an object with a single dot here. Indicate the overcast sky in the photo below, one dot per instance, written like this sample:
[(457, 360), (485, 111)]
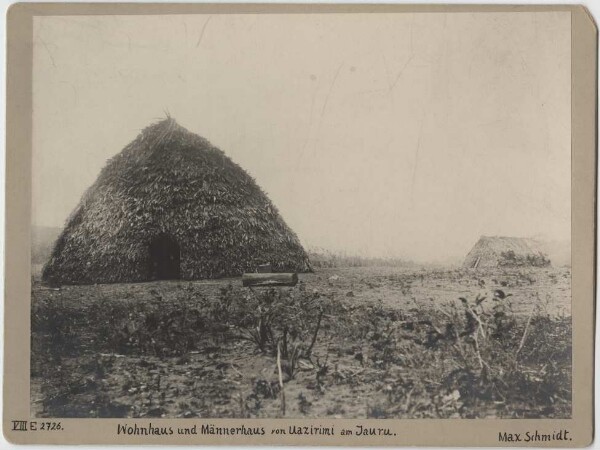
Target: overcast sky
[(406, 135)]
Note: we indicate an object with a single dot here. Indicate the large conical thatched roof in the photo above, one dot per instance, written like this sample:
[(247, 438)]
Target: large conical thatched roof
[(170, 182), (503, 251)]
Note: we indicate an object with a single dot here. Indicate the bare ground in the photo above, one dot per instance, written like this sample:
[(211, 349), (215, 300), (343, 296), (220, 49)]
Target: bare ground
[(95, 354)]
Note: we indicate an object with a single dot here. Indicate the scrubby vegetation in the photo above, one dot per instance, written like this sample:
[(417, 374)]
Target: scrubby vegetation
[(189, 350), (320, 258), (511, 259)]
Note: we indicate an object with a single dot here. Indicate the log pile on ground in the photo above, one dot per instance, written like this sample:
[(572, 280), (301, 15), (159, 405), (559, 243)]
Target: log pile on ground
[(269, 279)]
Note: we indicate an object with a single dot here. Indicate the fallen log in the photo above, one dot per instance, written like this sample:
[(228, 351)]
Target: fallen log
[(269, 279)]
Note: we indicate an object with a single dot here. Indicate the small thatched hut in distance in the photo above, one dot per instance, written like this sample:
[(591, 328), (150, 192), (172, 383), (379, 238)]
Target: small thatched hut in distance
[(501, 251), (171, 205)]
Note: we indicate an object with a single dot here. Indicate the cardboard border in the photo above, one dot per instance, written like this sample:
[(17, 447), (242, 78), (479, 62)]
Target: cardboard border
[(430, 432)]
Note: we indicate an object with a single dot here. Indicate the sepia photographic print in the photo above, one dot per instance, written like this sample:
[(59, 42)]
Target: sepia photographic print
[(325, 215)]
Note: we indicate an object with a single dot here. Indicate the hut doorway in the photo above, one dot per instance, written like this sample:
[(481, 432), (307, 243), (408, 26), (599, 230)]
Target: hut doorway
[(165, 258)]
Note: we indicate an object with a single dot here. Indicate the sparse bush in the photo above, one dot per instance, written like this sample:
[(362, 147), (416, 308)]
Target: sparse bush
[(511, 259), (288, 318), (475, 357)]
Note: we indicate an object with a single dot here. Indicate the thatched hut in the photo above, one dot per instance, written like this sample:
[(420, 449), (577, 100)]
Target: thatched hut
[(502, 251), (169, 206)]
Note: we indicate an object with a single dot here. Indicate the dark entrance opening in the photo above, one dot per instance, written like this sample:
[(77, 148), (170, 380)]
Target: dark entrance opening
[(165, 258)]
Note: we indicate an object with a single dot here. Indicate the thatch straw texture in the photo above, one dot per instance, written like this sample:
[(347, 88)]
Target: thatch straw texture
[(501, 251), (169, 181)]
